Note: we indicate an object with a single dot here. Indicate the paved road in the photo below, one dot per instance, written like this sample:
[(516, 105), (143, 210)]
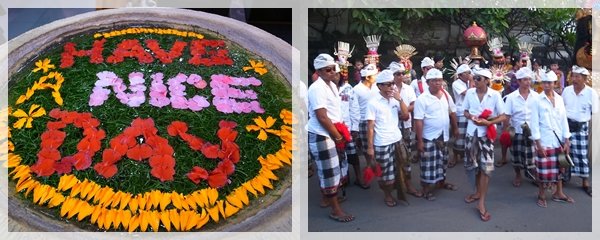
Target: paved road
[(512, 209)]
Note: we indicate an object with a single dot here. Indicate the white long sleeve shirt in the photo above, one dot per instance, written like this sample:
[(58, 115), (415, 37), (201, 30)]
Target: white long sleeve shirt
[(548, 119), (580, 106)]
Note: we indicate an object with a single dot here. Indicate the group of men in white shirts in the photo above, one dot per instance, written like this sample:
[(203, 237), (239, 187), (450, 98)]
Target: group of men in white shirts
[(387, 116)]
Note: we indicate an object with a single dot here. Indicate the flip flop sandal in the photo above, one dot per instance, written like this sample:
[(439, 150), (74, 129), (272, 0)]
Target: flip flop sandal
[(541, 202), (430, 197), (344, 219), (470, 198), (450, 186), (451, 164), (416, 194), (516, 183), (500, 164), (391, 203), (484, 216), (566, 199), (362, 186)]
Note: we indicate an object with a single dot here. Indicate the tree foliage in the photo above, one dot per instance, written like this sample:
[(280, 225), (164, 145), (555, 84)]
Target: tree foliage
[(552, 28)]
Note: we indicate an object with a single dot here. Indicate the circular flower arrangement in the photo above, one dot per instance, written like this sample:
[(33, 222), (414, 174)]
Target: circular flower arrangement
[(147, 129)]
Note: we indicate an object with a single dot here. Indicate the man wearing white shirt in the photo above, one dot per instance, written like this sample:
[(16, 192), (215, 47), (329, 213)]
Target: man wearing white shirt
[(518, 105), (479, 146), (550, 131), (420, 85), (351, 116), (581, 102), (459, 88), (405, 92), (323, 136), (364, 91), (434, 113), (383, 135)]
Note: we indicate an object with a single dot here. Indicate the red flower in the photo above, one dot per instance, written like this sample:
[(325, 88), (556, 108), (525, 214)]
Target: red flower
[(228, 151), (217, 179), (139, 152), (53, 138), (227, 124), (105, 169), (197, 174), (211, 151), (176, 128)]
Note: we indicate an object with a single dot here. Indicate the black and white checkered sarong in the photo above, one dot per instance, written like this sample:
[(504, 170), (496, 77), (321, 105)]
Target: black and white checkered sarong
[(434, 162), (362, 134), (579, 152), (480, 156), (384, 155), (330, 169), (522, 155), (351, 147), (459, 143)]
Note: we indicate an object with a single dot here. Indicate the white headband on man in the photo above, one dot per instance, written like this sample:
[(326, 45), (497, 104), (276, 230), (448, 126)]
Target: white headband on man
[(323, 60)]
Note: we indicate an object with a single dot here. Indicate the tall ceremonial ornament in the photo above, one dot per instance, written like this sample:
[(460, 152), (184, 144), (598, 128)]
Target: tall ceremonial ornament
[(499, 68), (343, 52), (456, 62), (525, 50), (372, 56), (475, 37), (583, 41), (404, 53)]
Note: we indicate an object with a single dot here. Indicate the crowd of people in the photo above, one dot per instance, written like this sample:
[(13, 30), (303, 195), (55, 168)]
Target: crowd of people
[(393, 119)]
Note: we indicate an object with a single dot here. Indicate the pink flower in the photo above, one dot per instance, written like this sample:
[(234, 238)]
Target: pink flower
[(176, 89), (200, 84), (136, 78), (197, 103), (98, 96), (222, 105), (256, 107), (193, 78), (105, 79), (179, 102), (136, 99)]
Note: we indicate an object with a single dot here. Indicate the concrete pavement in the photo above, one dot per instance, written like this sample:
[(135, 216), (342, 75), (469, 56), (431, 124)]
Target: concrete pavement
[(512, 209)]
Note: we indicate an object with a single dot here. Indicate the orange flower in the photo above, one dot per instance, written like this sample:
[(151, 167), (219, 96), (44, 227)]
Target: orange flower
[(43, 65), (35, 111), (263, 126), (257, 66), (287, 117)]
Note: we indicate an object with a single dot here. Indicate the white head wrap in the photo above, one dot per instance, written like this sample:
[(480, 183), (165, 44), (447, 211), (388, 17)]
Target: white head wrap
[(369, 70), (463, 68), (524, 72), (396, 67), (385, 76), (580, 70), (433, 74), (324, 60), (426, 62), (484, 72)]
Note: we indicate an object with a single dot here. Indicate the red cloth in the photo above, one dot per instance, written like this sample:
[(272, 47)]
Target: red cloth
[(505, 139), (368, 173), (491, 129), (343, 130)]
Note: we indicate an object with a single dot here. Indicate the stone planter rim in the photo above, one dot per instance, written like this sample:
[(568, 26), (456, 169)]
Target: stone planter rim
[(255, 40)]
